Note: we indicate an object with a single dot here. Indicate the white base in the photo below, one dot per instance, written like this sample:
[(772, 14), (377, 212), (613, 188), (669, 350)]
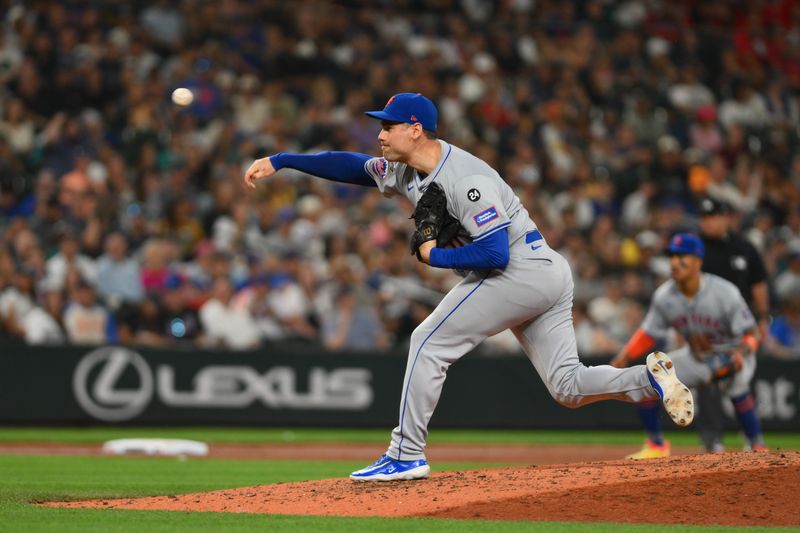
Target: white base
[(155, 447)]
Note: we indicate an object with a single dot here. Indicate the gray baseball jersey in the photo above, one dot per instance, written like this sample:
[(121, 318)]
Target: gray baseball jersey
[(713, 321), (476, 194), (532, 296)]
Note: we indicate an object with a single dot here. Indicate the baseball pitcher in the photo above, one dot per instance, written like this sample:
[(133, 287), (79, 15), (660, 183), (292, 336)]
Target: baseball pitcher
[(513, 278), (720, 334)]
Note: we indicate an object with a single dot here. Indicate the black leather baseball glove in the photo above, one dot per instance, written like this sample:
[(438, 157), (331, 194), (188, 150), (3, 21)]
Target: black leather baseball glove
[(432, 220)]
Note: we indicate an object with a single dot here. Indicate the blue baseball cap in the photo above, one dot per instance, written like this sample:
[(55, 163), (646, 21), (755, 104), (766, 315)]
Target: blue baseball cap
[(409, 108), (686, 244)]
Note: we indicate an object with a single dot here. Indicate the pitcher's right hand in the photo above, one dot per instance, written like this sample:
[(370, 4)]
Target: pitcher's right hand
[(260, 169)]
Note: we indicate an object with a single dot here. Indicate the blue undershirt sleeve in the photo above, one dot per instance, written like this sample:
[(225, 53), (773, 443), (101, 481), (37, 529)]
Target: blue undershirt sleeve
[(486, 254), (344, 167)]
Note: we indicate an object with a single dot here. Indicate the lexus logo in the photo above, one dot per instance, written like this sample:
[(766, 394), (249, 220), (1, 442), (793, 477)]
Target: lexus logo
[(100, 396), (103, 386)]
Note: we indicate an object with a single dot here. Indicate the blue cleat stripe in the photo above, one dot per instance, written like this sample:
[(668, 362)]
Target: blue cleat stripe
[(655, 385)]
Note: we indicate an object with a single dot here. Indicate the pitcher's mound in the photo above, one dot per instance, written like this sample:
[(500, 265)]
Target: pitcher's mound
[(727, 489)]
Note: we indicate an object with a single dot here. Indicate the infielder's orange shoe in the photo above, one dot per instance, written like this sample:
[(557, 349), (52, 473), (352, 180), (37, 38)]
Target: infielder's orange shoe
[(651, 450)]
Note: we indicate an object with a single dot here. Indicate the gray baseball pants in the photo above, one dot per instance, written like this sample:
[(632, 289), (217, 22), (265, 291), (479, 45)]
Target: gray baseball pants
[(533, 297)]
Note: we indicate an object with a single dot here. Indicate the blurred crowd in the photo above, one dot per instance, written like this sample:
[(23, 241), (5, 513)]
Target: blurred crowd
[(123, 217)]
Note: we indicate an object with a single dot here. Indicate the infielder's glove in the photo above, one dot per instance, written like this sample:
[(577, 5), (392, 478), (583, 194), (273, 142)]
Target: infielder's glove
[(724, 365), (432, 220)]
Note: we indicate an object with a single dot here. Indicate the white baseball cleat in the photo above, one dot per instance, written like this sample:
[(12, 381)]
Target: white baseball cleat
[(388, 469), (676, 397)]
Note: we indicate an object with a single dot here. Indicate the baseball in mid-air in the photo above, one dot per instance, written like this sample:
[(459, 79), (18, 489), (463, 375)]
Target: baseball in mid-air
[(182, 96)]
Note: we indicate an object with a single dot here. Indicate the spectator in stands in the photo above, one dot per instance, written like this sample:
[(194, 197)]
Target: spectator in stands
[(42, 324), (747, 108), (69, 257), (290, 306), (157, 255), (784, 331), (635, 214), (355, 325), (592, 340), (251, 108), (254, 299), (739, 189), (787, 284), (16, 301), (612, 311), (46, 219), (689, 94), (85, 320), (704, 134), (164, 23), (228, 230), (119, 279), (182, 226), (180, 321), (402, 297), (669, 170), (224, 325), (17, 127)]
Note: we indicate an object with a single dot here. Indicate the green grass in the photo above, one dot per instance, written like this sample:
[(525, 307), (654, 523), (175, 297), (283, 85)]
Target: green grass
[(27, 479), (45, 477), (92, 435)]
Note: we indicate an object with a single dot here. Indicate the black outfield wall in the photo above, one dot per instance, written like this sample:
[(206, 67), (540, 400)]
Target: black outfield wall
[(303, 386)]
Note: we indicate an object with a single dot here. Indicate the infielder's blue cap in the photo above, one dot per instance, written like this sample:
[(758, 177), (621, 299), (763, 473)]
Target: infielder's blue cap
[(686, 244), (409, 108)]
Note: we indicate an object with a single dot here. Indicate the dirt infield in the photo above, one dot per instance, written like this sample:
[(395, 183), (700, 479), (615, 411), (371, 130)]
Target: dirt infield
[(727, 489), (437, 453)]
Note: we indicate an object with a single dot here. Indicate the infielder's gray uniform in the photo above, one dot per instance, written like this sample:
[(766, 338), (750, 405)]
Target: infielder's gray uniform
[(532, 296), (713, 321)]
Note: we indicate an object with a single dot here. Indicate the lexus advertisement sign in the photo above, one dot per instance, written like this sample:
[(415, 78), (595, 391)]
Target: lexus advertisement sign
[(299, 385), (117, 384), (98, 386)]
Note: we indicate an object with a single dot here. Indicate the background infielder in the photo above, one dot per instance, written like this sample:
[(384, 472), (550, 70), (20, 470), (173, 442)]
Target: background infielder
[(515, 280), (720, 334)]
